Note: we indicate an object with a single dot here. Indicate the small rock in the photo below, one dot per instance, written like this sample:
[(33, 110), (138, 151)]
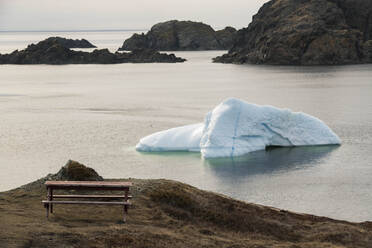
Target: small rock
[(74, 171)]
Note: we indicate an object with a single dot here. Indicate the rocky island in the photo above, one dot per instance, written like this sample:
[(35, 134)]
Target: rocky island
[(164, 213), (308, 32), (52, 51), (71, 43), (181, 36)]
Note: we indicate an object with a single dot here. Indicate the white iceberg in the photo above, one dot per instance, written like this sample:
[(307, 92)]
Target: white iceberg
[(236, 127), (185, 138)]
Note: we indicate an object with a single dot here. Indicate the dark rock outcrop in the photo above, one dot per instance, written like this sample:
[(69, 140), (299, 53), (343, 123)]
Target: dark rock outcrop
[(149, 56), (306, 32), (70, 43), (181, 36), (71, 171), (50, 51), (74, 171)]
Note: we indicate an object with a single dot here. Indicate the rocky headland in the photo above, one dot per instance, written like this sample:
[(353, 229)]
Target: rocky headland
[(306, 32), (164, 213), (71, 43), (51, 51), (181, 36)]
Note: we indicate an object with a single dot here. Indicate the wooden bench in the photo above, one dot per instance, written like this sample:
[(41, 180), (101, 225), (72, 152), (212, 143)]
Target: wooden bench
[(88, 185)]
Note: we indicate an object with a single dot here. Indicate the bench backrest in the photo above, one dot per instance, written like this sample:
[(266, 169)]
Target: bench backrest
[(88, 185)]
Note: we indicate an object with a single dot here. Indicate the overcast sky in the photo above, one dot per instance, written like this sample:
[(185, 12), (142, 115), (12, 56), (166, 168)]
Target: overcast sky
[(121, 14)]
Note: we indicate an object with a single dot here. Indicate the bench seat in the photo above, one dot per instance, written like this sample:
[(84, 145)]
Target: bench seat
[(93, 196)]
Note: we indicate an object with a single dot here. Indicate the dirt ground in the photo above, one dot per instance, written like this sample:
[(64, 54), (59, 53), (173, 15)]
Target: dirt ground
[(168, 214)]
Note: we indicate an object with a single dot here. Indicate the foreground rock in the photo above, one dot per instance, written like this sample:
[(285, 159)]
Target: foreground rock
[(309, 32), (74, 171), (181, 35), (71, 171), (168, 214), (50, 51), (70, 43)]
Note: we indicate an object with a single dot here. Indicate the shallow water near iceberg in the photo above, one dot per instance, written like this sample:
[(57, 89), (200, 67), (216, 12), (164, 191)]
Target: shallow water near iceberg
[(96, 114)]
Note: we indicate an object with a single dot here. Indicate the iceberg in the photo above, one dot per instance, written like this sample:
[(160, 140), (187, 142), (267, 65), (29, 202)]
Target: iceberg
[(185, 138), (236, 127)]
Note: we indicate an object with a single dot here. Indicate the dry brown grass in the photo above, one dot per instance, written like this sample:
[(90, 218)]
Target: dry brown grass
[(168, 214)]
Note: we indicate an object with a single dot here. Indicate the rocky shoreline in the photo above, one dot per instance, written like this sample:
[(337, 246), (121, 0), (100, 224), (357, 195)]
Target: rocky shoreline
[(52, 51), (310, 32), (181, 36), (165, 213)]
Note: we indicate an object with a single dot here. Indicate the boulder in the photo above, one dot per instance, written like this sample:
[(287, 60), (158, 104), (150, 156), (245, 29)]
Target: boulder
[(50, 51), (74, 171), (306, 32), (181, 36)]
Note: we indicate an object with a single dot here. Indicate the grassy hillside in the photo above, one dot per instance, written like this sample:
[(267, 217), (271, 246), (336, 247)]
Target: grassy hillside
[(168, 214)]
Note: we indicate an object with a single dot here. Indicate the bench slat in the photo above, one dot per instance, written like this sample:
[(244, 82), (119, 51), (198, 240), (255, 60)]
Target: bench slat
[(88, 184), (92, 196), (86, 202)]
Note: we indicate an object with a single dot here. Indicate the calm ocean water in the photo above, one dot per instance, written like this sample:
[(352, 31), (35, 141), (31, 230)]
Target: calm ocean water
[(97, 113)]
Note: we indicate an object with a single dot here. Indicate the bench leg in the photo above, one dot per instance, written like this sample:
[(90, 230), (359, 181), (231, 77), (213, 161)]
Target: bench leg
[(47, 209), (125, 206), (50, 198), (124, 214), (126, 193)]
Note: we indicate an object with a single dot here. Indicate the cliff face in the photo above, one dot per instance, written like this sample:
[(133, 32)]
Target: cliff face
[(181, 35), (306, 32), (358, 15), (51, 51)]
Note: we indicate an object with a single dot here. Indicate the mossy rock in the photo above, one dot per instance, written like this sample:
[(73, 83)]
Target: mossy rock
[(74, 171)]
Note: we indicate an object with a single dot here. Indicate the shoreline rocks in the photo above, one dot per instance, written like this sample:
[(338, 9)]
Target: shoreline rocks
[(181, 36), (308, 32), (50, 51)]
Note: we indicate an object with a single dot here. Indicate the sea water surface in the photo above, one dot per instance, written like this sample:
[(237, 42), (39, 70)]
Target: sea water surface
[(97, 113)]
